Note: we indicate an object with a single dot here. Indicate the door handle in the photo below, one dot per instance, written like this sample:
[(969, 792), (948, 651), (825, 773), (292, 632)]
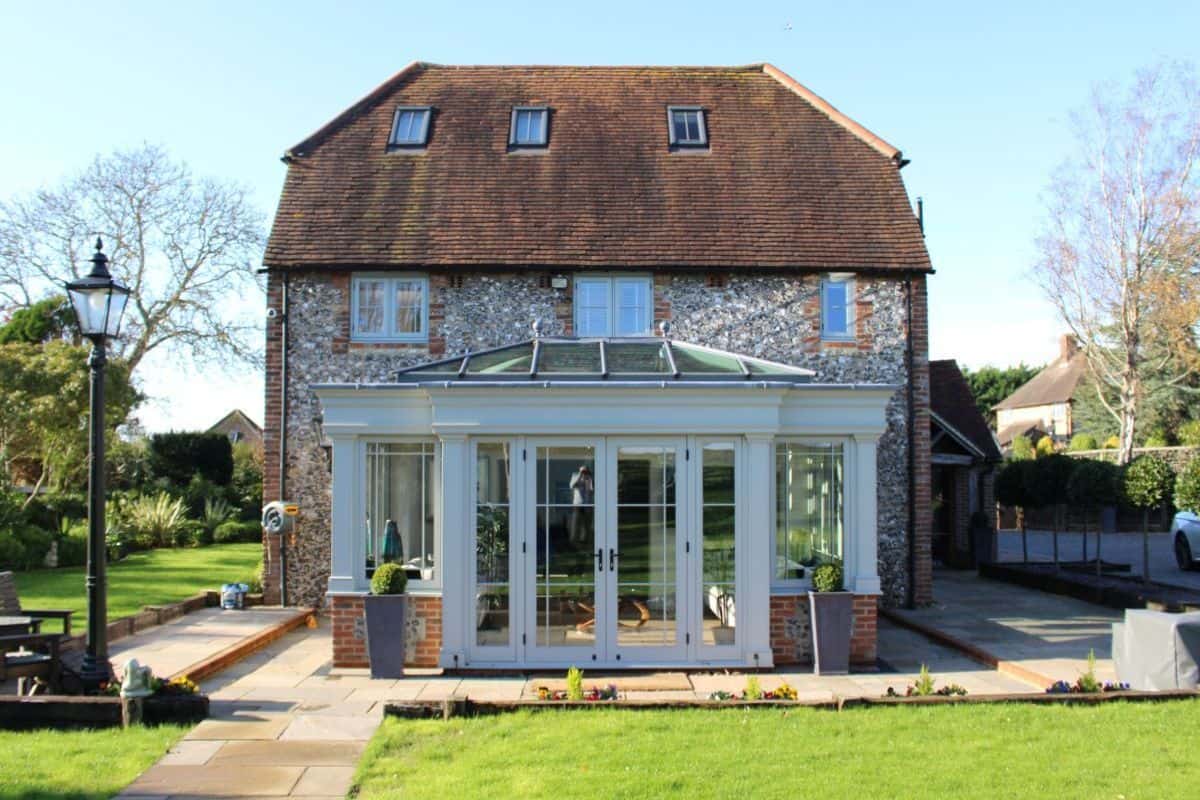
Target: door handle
[(600, 559), (613, 555)]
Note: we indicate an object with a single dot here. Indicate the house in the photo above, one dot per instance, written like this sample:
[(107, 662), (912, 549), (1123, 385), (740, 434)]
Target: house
[(964, 456), (1042, 405), (239, 428), (619, 353)]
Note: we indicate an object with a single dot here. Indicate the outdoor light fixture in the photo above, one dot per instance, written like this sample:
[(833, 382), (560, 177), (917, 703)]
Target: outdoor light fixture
[(99, 301)]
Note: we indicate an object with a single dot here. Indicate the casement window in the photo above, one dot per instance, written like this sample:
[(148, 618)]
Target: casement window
[(529, 127), (389, 308), (613, 305), (837, 308), (809, 507), (410, 127), (401, 507), (685, 126)]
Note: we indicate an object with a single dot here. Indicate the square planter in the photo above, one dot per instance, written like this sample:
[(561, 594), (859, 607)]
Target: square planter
[(385, 617), (832, 626)]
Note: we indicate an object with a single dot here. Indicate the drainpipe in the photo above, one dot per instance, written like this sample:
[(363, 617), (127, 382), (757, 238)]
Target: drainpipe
[(283, 404), (910, 589)]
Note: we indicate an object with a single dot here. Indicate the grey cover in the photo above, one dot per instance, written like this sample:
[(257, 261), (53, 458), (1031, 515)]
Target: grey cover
[(1155, 650)]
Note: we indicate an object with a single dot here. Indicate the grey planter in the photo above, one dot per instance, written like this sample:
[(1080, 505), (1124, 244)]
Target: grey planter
[(832, 626), (385, 615)]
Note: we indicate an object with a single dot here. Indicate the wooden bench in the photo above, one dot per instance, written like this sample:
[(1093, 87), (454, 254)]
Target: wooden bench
[(10, 605), (32, 655)]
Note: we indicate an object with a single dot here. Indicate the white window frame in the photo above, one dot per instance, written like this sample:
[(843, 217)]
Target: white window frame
[(388, 334), (415, 585), (423, 137), (512, 127), (614, 282), (847, 335), (795, 585), (675, 142)]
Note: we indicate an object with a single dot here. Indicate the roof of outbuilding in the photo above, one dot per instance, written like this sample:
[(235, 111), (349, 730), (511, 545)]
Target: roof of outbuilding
[(787, 181), (951, 400), (1056, 383)]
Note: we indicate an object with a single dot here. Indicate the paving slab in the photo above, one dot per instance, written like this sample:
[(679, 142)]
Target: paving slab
[(325, 781), (289, 753), (330, 728), (245, 781), (239, 728), (191, 752)]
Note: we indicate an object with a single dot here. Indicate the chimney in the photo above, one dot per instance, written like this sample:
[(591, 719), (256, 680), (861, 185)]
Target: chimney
[(1067, 347)]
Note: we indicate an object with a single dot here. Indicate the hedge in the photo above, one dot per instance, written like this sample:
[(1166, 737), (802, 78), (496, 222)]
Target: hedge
[(238, 531), (178, 457)]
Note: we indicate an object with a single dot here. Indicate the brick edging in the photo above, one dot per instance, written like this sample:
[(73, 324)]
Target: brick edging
[(235, 652)]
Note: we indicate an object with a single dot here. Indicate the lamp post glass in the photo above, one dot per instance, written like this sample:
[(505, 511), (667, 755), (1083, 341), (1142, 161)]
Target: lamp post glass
[(99, 301)]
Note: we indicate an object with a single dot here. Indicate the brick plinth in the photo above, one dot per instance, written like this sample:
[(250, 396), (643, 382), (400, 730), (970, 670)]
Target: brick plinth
[(423, 634), (791, 630)]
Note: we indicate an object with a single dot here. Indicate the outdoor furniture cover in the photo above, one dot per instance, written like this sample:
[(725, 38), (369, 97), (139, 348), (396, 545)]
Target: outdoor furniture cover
[(1155, 650)]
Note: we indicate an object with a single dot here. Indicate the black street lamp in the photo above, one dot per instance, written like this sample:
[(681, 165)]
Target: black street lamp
[(98, 301)]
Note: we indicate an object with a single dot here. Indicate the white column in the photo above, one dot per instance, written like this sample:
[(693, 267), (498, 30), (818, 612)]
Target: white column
[(454, 504), (347, 549), (754, 581), (862, 573)]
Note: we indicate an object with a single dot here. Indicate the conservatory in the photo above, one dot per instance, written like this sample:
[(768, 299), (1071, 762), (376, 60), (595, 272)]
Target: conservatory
[(601, 502)]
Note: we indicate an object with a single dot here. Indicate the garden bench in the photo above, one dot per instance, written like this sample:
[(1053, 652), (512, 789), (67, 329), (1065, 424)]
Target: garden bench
[(10, 605), (31, 655)]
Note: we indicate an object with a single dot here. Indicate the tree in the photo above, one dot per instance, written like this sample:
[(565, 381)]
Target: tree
[(1092, 485), (1047, 488), (1120, 244), (1187, 487), (43, 321), (183, 245), (1189, 433), (1011, 483), (1148, 482), (989, 385)]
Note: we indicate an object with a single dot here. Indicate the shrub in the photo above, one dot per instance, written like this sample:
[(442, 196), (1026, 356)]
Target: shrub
[(1157, 438), (236, 530), (1022, 449), (24, 546), (1148, 482), (12, 552), (127, 464), (389, 579), (828, 578), (192, 533), (1093, 484), (178, 457), (1112, 442), (574, 684), (1189, 433), (216, 511), (72, 548), (1047, 481), (1187, 487), (151, 521), (255, 581), (247, 484), (1045, 447), (1083, 441)]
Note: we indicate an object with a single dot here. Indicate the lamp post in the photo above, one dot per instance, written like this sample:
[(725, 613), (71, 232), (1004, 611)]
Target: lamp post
[(99, 302)]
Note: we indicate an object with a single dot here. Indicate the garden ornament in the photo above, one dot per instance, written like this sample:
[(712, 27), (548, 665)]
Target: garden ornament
[(136, 682)]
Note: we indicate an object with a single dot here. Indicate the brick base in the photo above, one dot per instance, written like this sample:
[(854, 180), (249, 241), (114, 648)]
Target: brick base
[(791, 630), (423, 637)]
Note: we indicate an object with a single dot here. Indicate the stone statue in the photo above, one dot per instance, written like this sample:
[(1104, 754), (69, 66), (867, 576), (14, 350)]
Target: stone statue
[(136, 682)]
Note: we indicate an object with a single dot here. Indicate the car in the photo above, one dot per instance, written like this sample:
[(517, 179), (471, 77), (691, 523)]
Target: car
[(1185, 529)]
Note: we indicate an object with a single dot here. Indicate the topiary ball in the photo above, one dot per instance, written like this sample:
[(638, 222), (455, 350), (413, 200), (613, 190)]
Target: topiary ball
[(1148, 482), (389, 579), (828, 578)]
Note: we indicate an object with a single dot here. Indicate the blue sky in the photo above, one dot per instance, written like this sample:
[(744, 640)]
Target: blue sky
[(978, 99)]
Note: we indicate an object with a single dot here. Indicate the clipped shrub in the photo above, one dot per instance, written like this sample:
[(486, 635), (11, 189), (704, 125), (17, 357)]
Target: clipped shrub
[(1083, 441), (1112, 442), (1187, 487), (1047, 482), (236, 530), (1045, 447), (1188, 433), (1093, 484), (1148, 482), (389, 579), (178, 457), (1011, 482), (1022, 449), (828, 578)]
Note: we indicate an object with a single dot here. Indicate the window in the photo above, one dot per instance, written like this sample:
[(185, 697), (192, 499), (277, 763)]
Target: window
[(528, 126), (401, 507), (685, 126), (411, 126), (492, 531), (837, 308), (718, 510), (613, 306), (809, 507), (389, 308)]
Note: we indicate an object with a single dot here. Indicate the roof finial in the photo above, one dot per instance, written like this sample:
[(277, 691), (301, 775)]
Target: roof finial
[(537, 329), (664, 328)]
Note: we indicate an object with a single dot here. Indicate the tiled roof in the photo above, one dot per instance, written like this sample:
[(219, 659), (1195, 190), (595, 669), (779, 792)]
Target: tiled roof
[(788, 181), (1056, 383), (950, 399)]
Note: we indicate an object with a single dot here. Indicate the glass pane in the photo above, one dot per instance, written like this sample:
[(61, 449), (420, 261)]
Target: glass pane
[(410, 306), (633, 313), (570, 358), (809, 512), (408, 127), (508, 359), (640, 357), (719, 583), (694, 360), (680, 122), (718, 474), (647, 547), (835, 320), (530, 126), (566, 543), (592, 297), (370, 311), (492, 621), (401, 507)]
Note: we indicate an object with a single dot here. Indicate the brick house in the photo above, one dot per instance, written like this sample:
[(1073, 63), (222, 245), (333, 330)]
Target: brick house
[(1042, 405), (727, 382)]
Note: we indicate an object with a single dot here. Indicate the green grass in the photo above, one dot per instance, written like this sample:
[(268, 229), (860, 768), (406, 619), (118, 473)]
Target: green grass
[(148, 578), (78, 764), (1112, 750)]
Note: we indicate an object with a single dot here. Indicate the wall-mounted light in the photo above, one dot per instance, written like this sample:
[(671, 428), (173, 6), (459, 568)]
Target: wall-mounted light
[(318, 421)]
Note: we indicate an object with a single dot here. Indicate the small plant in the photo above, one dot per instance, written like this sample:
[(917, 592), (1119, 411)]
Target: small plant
[(952, 689), (389, 579), (574, 684), (1087, 683), (753, 690), (828, 577), (924, 685), (720, 694), (785, 692)]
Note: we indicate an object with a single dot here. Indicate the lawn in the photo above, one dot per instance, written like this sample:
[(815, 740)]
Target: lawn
[(70, 765), (148, 578), (1112, 750)]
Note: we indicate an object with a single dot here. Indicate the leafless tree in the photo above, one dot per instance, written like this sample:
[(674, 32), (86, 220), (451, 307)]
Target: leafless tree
[(1119, 252), (186, 247)]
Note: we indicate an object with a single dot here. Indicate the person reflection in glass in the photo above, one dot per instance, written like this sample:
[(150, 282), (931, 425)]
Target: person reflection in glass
[(583, 490)]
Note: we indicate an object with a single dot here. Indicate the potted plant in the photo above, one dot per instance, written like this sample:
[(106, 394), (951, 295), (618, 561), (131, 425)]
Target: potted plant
[(386, 608), (832, 620)]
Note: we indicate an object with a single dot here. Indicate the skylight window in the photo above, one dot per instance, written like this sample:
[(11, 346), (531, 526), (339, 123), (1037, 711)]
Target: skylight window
[(411, 126), (685, 126), (529, 126)]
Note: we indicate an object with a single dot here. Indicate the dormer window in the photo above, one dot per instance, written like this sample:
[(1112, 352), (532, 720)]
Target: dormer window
[(411, 127), (529, 126), (685, 126)]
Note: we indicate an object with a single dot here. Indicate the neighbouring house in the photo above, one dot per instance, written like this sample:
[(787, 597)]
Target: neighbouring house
[(1042, 405), (240, 428), (964, 456), (614, 355)]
